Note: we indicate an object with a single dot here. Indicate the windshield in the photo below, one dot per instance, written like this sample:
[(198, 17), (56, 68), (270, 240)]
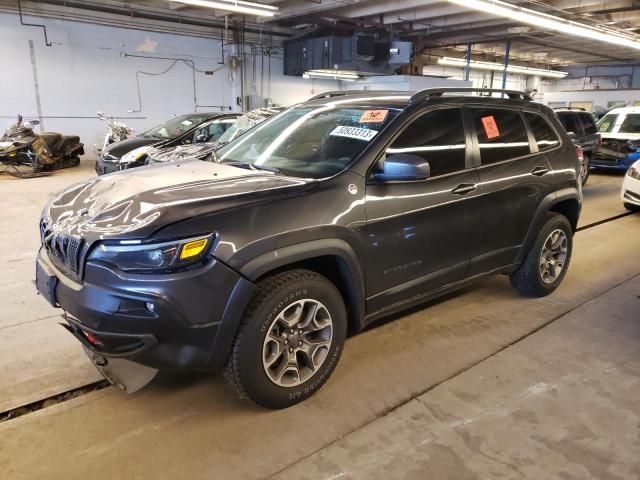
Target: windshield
[(607, 123), (631, 124), (306, 141), (247, 121), (176, 126)]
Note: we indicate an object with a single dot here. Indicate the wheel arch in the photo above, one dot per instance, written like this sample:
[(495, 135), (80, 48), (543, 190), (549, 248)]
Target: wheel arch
[(566, 202), (331, 258)]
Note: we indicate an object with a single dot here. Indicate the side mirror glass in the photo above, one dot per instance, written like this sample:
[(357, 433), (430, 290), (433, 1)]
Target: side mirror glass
[(201, 138), (403, 167)]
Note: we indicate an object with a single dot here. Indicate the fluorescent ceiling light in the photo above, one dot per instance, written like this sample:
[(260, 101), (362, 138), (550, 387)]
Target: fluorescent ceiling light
[(550, 22), (333, 74), (499, 67), (239, 6)]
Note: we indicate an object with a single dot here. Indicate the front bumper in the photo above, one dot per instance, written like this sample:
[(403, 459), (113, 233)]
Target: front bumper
[(630, 190), (191, 326), (612, 163)]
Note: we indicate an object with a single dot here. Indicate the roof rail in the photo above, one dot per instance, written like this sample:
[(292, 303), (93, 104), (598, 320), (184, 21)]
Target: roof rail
[(342, 93), (438, 92), (579, 109)]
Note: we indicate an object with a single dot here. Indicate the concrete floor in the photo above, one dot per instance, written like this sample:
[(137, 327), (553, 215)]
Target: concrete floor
[(194, 427)]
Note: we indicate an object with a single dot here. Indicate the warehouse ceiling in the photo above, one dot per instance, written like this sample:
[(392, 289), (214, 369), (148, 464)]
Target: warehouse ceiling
[(437, 28)]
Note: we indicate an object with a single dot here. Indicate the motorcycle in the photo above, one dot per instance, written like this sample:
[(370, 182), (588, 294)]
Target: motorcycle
[(24, 153), (116, 131)]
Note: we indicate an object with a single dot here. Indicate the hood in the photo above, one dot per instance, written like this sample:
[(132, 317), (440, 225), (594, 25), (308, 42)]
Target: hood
[(172, 154), (136, 203), (123, 147)]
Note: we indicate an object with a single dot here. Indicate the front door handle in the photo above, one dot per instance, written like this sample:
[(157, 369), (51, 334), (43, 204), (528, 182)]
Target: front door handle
[(464, 188), (539, 171)]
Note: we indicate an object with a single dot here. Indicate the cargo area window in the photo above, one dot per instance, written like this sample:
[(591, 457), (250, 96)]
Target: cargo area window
[(544, 135), (438, 137), (501, 134)]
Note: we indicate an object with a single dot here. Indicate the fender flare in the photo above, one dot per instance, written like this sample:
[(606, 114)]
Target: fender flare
[(350, 271), (544, 207)]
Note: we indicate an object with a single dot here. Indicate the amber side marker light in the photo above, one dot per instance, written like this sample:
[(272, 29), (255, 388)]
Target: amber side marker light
[(193, 249)]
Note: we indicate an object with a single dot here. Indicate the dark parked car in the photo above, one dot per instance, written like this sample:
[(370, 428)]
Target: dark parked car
[(581, 126), (203, 149), (117, 155), (337, 212)]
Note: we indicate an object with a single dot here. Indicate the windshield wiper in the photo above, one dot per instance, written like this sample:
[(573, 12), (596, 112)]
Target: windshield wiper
[(251, 166)]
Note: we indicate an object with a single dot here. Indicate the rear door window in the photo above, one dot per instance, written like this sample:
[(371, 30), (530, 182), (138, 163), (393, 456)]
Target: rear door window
[(569, 122), (438, 137), (545, 136), (588, 124), (502, 134), (630, 124)]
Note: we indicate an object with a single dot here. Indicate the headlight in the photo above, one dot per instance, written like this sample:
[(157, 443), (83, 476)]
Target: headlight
[(134, 155), (153, 257), (634, 171), (107, 157)]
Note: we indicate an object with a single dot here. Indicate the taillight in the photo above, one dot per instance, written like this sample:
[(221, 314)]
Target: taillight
[(580, 153)]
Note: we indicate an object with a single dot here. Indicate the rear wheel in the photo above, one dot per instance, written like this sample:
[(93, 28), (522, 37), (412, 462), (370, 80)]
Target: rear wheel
[(585, 169), (289, 341), (546, 263)]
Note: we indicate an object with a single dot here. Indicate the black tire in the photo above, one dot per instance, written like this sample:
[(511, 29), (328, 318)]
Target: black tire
[(631, 207), (245, 370), (587, 169), (528, 279)]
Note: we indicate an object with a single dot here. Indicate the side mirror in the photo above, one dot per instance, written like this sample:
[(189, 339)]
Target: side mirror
[(201, 138), (403, 167), (572, 135), (34, 122)]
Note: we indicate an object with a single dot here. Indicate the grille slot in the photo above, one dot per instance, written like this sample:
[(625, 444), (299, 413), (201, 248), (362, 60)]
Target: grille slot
[(63, 250)]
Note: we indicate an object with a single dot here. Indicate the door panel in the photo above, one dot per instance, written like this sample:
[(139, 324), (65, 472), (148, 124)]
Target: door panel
[(417, 237), (418, 234)]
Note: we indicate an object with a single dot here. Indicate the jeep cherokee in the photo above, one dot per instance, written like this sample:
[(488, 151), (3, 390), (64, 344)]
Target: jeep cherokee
[(322, 219)]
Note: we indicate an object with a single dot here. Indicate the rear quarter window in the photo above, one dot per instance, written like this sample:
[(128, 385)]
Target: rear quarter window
[(630, 124), (544, 135), (569, 122), (588, 124)]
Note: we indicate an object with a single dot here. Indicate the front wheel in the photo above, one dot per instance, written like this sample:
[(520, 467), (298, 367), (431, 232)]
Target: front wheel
[(290, 339), (631, 207), (547, 262)]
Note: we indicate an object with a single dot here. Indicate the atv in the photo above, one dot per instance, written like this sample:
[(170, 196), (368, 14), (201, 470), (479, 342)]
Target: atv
[(24, 153)]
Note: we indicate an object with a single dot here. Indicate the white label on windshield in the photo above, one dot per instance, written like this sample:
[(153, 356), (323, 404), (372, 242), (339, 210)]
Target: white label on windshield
[(354, 132), (187, 123)]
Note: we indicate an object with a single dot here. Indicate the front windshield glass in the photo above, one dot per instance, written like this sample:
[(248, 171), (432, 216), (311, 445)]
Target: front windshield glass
[(607, 123), (306, 141), (175, 127)]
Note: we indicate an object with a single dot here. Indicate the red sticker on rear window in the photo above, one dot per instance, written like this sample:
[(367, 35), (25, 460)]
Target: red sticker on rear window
[(490, 127)]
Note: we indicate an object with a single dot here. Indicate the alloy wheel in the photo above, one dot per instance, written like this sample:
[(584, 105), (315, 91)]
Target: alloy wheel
[(297, 343), (553, 256)]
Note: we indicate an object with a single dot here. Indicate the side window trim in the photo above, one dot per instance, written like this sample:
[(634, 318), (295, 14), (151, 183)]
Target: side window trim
[(533, 144), (469, 165)]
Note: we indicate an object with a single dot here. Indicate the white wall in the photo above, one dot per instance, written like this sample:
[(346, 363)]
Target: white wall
[(85, 71), (479, 78), (599, 98)]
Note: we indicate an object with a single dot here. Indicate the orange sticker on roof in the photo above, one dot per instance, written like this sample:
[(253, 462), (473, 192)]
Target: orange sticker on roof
[(373, 116), (490, 127)]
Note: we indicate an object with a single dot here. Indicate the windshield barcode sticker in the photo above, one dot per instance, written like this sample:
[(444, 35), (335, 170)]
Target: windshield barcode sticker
[(354, 132)]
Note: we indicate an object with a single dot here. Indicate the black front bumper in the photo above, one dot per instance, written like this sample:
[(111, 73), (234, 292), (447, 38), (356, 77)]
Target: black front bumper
[(191, 325)]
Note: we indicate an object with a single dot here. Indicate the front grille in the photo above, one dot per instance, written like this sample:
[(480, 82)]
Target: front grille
[(63, 250)]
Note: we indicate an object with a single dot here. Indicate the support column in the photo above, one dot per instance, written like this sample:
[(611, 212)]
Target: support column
[(507, 54)]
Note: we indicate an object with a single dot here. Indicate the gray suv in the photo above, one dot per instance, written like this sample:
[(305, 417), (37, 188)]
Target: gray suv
[(581, 127)]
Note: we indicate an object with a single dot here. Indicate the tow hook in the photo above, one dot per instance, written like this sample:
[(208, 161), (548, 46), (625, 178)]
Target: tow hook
[(124, 374)]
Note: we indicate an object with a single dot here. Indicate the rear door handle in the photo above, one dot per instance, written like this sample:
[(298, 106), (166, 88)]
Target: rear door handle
[(464, 188), (539, 171)]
